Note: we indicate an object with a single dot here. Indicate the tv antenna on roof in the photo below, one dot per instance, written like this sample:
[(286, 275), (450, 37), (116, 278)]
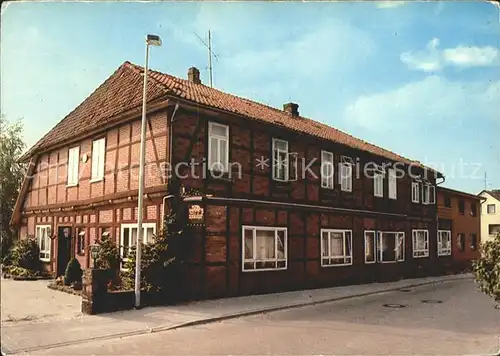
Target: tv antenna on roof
[(210, 54)]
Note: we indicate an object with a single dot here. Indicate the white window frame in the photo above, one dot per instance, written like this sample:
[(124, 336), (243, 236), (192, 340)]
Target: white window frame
[(73, 163), (345, 174), (347, 257), (415, 192), (393, 184), (254, 260), (378, 182), (427, 196), (423, 252), (399, 243), (222, 144), (374, 247), (98, 159), (327, 164), (277, 162), (145, 227), (488, 209), (444, 234), (44, 254)]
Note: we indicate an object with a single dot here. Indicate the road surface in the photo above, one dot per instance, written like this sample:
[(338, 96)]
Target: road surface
[(450, 318)]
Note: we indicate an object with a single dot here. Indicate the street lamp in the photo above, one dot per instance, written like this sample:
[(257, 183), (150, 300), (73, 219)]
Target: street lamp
[(151, 40)]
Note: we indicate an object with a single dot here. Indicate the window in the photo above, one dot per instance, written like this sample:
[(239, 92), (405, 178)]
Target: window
[(370, 247), (218, 147), (461, 242), (336, 247), (428, 194), (44, 241), (447, 201), (327, 169), (473, 211), (473, 242), (391, 246), (393, 184), (493, 229), (128, 237), (444, 242), (264, 248), (345, 176), (415, 192), (491, 209), (73, 160), (280, 160), (420, 243), (80, 241), (378, 182), (461, 207), (98, 156)]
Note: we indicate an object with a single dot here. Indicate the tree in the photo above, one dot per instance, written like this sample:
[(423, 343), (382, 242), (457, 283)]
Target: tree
[(11, 176), (487, 268), (108, 256)]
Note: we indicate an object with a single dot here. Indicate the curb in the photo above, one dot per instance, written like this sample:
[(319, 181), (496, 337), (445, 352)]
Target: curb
[(224, 317), (297, 305)]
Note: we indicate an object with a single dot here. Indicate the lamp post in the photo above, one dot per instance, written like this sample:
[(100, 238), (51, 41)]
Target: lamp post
[(151, 40)]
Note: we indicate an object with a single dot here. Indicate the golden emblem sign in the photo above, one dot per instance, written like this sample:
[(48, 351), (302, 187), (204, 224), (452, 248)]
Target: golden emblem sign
[(195, 213)]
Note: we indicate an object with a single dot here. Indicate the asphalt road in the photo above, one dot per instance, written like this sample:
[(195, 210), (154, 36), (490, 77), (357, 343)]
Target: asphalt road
[(458, 320)]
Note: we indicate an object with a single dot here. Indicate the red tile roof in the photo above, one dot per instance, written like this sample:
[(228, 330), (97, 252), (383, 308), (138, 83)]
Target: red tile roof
[(123, 91)]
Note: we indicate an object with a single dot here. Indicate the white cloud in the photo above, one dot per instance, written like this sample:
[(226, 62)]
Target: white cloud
[(433, 60), (389, 4), (430, 102)]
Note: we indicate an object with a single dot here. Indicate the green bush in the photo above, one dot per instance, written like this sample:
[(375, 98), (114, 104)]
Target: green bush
[(109, 255), (156, 260), (26, 254), (487, 268), (73, 272)]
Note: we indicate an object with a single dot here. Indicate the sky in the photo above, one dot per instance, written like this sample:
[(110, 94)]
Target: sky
[(419, 78)]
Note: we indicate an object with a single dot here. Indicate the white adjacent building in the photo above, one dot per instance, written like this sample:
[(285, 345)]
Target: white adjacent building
[(490, 214)]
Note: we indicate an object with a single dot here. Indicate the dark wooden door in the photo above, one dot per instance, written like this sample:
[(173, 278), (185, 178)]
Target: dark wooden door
[(63, 248)]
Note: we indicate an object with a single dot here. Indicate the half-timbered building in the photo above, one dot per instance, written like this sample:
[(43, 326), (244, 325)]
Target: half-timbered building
[(274, 201)]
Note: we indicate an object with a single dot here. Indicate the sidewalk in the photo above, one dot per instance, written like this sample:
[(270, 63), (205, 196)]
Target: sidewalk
[(25, 336)]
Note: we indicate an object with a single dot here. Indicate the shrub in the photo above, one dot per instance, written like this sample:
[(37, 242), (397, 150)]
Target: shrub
[(109, 255), (73, 272), (26, 254), (487, 268), (156, 260)]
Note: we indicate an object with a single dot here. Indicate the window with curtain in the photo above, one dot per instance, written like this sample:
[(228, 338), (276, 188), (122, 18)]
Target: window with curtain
[(280, 160), (336, 247), (73, 162), (327, 170), (370, 247), (391, 246), (444, 243), (98, 157), (345, 174), (128, 237), (218, 147), (393, 184), (264, 248), (420, 243), (44, 241)]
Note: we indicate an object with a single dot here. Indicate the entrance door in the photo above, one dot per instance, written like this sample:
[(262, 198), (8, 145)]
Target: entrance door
[(63, 248)]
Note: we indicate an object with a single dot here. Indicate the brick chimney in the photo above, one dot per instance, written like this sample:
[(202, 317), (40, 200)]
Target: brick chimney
[(292, 109), (194, 75)]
